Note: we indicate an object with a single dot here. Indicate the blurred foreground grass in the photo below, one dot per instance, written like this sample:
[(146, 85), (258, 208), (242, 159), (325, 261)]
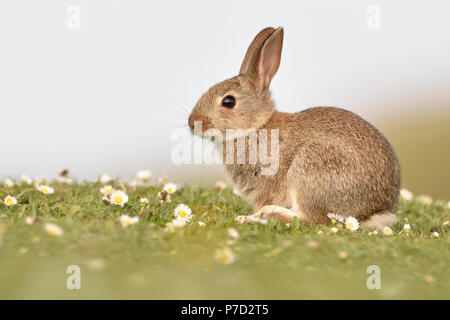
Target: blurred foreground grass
[(145, 261)]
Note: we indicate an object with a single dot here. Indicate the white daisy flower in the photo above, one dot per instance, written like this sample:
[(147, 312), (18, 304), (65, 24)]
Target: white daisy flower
[(25, 179), (236, 191), (143, 175), (335, 218), (334, 230), (126, 220), (435, 234), (144, 202), (240, 219), (8, 183), (170, 188), (351, 224), (232, 232), (424, 199), (406, 228), (387, 231), (10, 201), (201, 224), (45, 189), (406, 195), (105, 178), (225, 255), (106, 190), (220, 185), (53, 230), (29, 220), (183, 212), (119, 198)]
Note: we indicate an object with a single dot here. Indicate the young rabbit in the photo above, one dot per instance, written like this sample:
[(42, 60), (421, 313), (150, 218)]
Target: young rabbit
[(330, 160)]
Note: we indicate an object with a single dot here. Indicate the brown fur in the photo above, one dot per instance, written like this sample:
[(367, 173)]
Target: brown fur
[(331, 160)]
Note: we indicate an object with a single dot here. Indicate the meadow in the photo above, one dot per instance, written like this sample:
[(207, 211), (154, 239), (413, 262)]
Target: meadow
[(212, 256)]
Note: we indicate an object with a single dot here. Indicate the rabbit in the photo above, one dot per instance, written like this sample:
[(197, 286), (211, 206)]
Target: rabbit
[(330, 159)]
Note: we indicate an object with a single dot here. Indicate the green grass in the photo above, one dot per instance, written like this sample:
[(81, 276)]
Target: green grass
[(145, 261)]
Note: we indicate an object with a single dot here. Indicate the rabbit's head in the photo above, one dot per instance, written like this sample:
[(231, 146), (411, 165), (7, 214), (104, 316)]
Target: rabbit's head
[(244, 101)]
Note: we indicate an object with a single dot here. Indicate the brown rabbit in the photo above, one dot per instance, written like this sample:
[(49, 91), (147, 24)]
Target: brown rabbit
[(330, 160)]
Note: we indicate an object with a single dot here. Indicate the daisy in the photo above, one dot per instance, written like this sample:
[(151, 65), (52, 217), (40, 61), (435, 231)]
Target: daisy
[(424, 199), (143, 175), (435, 234), (351, 224), (406, 228), (127, 220), (26, 179), (240, 219), (334, 230), (183, 212), (106, 190), (232, 232), (8, 183), (335, 218), (105, 178), (118, 197), (406, 195), (225, 255), (144, 202), (45, 189), (53, 230), (10, 201), (170, 188), (29, 220), (220, 185), (387, 231), (236, 191)]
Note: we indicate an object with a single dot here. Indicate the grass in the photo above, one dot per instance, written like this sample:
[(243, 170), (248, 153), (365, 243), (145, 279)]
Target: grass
[(146, 261)]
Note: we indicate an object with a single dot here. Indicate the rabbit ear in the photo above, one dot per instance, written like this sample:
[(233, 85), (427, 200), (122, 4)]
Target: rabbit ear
[(263, 57), (254, 49)]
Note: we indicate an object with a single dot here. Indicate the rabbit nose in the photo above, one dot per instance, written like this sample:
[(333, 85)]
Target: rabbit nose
[(194, 118)]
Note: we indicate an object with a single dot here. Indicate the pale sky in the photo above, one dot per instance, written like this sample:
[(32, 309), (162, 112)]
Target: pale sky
[(103, 98)]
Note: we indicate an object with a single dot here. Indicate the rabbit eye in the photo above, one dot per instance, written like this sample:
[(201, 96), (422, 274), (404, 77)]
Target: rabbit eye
[(229, 101)]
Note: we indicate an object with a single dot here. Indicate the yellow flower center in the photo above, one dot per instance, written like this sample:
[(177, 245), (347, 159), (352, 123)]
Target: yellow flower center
[(127, 222), (223, 256), (9, 201), (118, 199), (170, 190), (182, 214), (44, 190), (350, 225)]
